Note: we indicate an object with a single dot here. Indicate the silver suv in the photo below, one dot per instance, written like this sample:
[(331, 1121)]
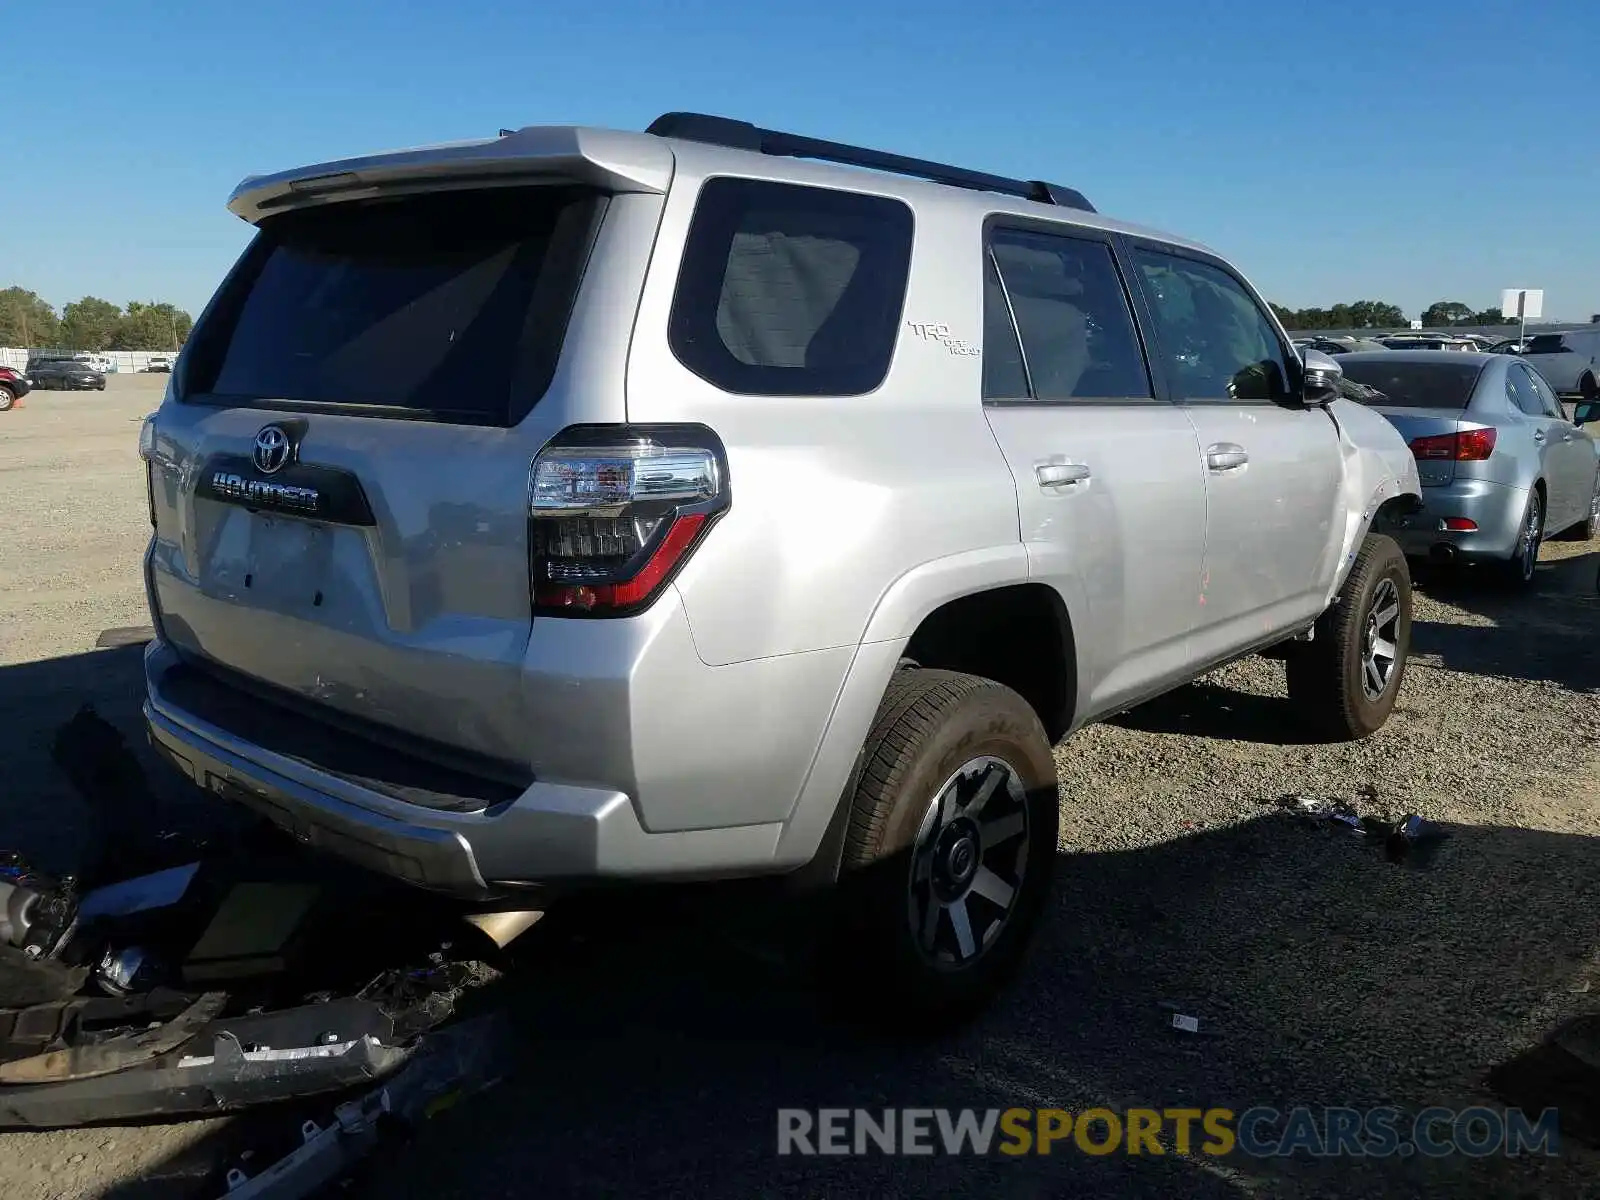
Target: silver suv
[(582, 505)]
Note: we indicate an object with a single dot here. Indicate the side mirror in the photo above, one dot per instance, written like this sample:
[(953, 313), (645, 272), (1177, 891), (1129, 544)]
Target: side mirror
[(1320, 379), (1585, 411)]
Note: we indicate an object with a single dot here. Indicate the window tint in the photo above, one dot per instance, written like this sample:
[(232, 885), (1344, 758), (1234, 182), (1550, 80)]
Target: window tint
[(1520, 388), (1078, 337), (1446, 382), (1546, 343), (1548, 400), (452, 304), (791, 291), (1004, 376), (1215, 342)]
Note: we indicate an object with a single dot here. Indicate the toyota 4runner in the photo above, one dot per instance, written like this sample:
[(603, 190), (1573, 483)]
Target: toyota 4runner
[(582, 505)]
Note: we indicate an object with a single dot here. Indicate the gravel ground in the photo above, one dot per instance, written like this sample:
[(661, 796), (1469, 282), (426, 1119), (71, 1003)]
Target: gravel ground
[(657, 1052)]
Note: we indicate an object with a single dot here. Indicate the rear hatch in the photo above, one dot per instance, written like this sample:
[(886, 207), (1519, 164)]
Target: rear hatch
[(1427, 402), (340, 478)]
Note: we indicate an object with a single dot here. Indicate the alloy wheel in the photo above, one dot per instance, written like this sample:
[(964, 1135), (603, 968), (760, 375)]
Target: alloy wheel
[(968, 863)]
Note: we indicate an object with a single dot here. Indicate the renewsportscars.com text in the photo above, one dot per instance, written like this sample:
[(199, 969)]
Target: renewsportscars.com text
[(1258, 1132)]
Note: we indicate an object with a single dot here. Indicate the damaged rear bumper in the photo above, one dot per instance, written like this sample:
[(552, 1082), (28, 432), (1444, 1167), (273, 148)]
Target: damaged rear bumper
[(222, 1066), (549, 832)]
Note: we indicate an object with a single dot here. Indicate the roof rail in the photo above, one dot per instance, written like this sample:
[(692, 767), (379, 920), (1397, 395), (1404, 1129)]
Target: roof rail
[(742, 135)]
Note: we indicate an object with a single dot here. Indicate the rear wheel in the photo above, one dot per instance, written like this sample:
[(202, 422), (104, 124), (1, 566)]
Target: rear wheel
[(1344, 681), (1518, 570), (1588, 388), (7, 398), (949, 850)]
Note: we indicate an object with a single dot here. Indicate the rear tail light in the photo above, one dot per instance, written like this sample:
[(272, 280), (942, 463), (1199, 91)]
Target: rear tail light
[(1469, 445), (615, 510)]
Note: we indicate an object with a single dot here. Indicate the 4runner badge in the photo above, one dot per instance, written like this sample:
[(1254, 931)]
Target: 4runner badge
[(940, 332)]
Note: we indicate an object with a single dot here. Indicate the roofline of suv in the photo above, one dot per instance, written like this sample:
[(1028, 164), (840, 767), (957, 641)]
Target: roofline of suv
[(622, 161)]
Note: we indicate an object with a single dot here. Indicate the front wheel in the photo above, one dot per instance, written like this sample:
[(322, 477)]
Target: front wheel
[(1345, 681), (948, 854)]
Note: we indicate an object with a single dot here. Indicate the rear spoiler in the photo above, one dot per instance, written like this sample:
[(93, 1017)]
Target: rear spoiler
[(603, 158)]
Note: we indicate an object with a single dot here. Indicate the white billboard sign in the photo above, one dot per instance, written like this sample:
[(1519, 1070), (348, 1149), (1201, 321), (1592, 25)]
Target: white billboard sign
[(1524, 303)]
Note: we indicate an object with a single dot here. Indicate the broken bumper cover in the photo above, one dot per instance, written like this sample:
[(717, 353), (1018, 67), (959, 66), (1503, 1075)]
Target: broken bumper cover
[(221, 1067), (550, 833)]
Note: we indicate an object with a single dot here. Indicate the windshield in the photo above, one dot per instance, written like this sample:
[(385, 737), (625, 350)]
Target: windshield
[(450, 306), (1447, 383)]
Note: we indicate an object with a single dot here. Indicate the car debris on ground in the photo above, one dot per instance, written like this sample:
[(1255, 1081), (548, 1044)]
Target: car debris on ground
[(255, 974), (1411, 839)]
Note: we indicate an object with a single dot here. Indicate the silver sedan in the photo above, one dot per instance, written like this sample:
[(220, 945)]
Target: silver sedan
[(1502, 465)]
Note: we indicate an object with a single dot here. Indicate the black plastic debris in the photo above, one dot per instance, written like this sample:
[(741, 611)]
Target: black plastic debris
[(1413, 841)]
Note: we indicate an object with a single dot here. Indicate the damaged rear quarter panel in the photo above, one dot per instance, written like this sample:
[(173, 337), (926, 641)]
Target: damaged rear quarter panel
[(1378, 466)]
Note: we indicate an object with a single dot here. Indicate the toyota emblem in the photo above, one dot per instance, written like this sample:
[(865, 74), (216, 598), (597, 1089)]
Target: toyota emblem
[(272, 449)]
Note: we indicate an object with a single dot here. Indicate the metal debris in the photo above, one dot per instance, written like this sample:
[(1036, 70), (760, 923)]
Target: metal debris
[(1411, 840)]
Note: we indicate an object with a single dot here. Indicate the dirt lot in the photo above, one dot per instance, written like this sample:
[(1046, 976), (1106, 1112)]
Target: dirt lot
[(657, 1054)]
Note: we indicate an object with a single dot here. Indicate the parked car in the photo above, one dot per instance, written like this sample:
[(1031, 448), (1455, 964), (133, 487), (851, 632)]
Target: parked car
[(67, 374), (1502, 465), (1569, 362), (158, 364), (1441, 342), (735, 586), (14, 385), (1508, 346)]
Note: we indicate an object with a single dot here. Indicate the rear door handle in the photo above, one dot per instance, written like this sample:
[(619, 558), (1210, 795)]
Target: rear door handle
[(1060, 474), (1226, 456)]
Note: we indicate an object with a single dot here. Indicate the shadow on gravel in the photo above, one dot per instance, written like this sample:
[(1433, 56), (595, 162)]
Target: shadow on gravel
[(1548, 635), (1220, 713), (659, 1043), (662, 1034)]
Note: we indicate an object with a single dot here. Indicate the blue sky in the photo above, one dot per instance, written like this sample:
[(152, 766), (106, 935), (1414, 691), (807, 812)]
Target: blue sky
[(1336, 152)]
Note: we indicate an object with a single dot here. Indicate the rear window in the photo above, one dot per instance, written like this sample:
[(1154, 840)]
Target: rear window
[(788, 290), (1546, 343), (449, 306), (1447, 383)]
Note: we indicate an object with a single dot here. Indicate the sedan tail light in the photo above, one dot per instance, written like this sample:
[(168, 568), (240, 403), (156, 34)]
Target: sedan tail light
[(615, 510), (1469, 445)]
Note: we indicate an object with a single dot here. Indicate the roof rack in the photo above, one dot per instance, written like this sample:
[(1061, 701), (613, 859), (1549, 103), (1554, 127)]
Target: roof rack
[(742, 135)]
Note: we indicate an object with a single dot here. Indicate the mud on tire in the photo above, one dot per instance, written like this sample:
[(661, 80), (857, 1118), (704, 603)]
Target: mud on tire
[(1344, 682), (948, 853)]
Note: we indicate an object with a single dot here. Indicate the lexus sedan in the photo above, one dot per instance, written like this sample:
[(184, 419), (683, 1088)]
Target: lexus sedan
[(67, 374), (1502, 465)]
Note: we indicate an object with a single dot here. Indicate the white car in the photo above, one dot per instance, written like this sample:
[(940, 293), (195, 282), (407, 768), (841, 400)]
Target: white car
[(1569, 362)]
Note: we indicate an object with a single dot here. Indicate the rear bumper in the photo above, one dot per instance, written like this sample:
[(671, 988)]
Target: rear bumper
[(1495, 508), (549, 834)]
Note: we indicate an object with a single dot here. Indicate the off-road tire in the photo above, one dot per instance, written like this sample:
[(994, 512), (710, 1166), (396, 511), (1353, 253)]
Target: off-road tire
[(930, 725), (1325, 674), (8, 398)]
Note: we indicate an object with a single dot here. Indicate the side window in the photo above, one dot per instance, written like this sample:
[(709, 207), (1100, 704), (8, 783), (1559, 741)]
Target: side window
[(1216, 343), (1547, 397), (1004, 376), (1521, 390), (1078, 339), (788, 290)]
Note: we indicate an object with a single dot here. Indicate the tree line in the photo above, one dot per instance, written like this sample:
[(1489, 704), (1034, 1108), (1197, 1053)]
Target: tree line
[(27, 321), (1375, 314)]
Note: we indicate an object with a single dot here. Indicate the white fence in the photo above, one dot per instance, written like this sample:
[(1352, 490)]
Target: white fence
[(122, 361)]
